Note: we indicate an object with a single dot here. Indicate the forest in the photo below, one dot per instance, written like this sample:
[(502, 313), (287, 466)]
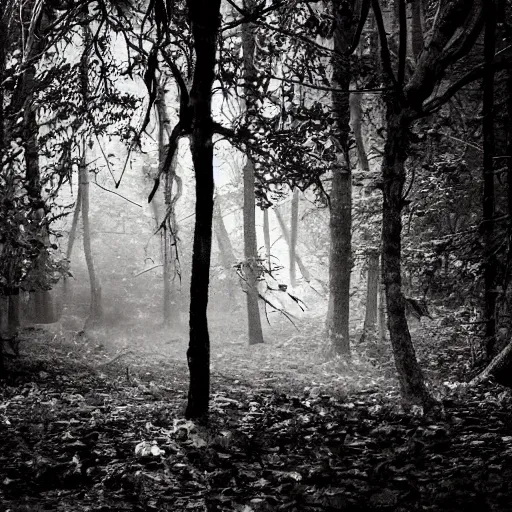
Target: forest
[(255, 255)]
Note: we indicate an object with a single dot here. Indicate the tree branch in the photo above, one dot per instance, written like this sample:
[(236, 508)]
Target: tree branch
[(477, 72), (384, 48)]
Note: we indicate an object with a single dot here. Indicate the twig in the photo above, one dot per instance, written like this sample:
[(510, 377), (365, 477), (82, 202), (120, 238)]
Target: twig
[(113, 360)]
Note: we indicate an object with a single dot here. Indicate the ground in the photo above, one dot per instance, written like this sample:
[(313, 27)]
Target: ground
[(95, 423)]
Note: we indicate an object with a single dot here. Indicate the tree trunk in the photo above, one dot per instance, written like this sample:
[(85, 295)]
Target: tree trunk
[(250, 244), (66, 292), (41, 298), (410, 376), (355, 123), (489, 195), (227, 255), (340, 262), (372, 292), (416, 28), (382, 312), (168, 226), (286, 235), (266, 236), (95, 310), (500, 368), (293, 236), (204, 16), (509, 181), (251, 257)]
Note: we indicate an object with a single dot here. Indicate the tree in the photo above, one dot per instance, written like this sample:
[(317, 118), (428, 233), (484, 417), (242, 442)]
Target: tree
[(489, 194), (168, 225), (340, 226), (294, 228), (457, 27), (251, 264), (372, 292), (96, 310), (204, 16)]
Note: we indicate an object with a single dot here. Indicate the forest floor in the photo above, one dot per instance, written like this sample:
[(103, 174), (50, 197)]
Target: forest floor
[(95, 423)]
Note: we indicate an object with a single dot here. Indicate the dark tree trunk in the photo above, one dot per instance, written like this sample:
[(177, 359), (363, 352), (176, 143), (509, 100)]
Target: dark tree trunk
[(204, 16), (416, 27), (499, 369), (250, 243), (372, 292), (340, 263), (509, 180), (489, 195), (293, 236), (42, 300), (382, 312), (458, 24), (410, 376)]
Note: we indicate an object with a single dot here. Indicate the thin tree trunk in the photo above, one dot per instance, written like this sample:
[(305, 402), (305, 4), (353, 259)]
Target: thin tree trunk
[(293, 236), (227, 255), (250, 243), (355, 123), (266, 236), (204, 16), (372, 292), (286, 235), (340, 261), (69, 249), (382, 312), (95, 311), (489, 195), (251, 257)]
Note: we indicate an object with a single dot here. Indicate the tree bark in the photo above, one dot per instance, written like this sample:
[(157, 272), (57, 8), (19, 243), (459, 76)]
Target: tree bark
[(204, 16), (499, 368), (372, 292), (66, 293), (95, 311), (251, 257), (227, 255), (489, 194), (340, 262), (293, 236), (457, 27), (355, 123), (251, 263), (266, 236), (410, 376), (382, 312), (41, 298), (416, 28)]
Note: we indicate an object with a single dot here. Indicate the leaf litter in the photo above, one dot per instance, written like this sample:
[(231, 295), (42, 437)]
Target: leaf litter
[(289, 430)]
